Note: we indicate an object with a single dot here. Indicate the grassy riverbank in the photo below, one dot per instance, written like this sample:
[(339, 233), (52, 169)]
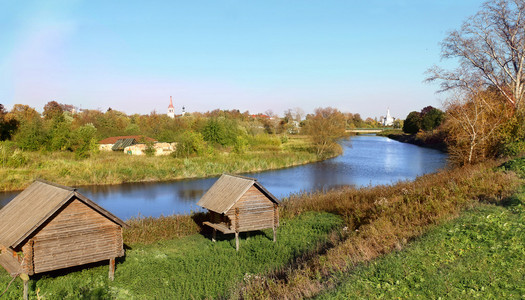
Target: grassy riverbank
[(324, 238), (116, 168), (479, 255), (189, 267)]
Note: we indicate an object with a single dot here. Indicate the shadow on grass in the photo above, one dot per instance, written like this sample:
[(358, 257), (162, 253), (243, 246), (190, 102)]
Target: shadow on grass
[(510, 202), (199, 218)]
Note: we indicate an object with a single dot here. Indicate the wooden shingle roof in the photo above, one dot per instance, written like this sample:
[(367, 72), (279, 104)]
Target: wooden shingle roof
[(226, 191), (34, 206)]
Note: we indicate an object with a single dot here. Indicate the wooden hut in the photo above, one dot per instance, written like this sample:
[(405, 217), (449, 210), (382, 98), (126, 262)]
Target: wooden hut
[(49, 227), (240, 204)]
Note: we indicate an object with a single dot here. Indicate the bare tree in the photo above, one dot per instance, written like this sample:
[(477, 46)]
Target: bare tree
[(490, 46)]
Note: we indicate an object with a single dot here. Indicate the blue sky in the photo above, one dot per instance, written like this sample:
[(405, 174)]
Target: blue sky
[(357, 56)]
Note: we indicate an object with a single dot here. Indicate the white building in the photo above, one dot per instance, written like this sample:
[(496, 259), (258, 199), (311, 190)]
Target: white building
[(171, 109), (388, 120)]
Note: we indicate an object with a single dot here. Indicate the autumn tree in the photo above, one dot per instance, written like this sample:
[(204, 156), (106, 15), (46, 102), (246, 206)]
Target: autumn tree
[(325, 127), (473, 122), (7, 125), (52, 110), (23, 113)]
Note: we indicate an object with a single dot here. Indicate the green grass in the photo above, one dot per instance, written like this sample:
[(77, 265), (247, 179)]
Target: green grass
[(479, 255), (188, 267), (115, 167)]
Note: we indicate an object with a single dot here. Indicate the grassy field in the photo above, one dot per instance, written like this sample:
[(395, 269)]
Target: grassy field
[(187, 267), (116, 168), (479, 255)]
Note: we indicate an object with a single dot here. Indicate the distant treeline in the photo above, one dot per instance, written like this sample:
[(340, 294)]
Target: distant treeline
[(63, 128)]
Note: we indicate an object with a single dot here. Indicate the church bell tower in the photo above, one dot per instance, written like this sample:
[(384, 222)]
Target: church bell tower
[(171, 109)]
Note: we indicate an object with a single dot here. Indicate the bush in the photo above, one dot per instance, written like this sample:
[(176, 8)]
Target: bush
[(189, 144), (513, 149), (150, 149), (516, 165), (241, 144)]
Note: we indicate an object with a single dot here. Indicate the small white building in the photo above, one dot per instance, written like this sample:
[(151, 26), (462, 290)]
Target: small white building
[(160, 149), (388, 120)]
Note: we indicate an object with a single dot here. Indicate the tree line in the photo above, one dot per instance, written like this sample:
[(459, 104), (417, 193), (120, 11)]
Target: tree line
[(61, 128)]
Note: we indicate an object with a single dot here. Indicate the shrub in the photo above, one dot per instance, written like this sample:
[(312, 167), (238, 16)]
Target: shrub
[(517, 165), (190, 143), (241, 144), (150, 149)]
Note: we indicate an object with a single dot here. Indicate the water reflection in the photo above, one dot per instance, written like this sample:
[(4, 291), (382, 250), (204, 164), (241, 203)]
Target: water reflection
[(367, 160)]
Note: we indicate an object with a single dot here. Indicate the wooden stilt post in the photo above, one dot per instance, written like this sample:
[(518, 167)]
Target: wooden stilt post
[(237, 240), (214, 235), (25, 279), (26, 289), (275, 221), (237, 228), (111, 269)]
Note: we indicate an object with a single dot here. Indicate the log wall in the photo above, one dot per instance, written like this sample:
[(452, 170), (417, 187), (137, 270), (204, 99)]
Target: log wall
[(256, 211), (77, 235)]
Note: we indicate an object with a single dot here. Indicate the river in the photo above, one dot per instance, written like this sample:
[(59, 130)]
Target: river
[(366, 160)]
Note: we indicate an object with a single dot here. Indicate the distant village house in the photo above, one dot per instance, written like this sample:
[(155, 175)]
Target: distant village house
[(135, 145)]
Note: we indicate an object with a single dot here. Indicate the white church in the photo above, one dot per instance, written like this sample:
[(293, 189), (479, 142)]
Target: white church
[(388, 120), (171, 109)]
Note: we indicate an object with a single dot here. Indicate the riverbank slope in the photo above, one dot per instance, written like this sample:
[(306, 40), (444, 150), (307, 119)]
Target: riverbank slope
[(428, 140), (116, 168)]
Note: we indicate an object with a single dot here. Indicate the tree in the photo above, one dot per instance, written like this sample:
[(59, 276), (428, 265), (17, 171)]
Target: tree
[(189, 143), (23, 113), (472, 125), (412, 123), (31, 135), (7, 125), (85, 141), (52, 110), (325, 127), (220, 131), (490, 48), (431, 118)]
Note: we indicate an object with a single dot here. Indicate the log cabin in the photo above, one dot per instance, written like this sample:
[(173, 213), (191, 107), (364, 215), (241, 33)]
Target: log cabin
[(49, 227), (240, 204)]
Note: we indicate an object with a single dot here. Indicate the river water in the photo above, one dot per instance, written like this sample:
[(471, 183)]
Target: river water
[(366, 160)]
